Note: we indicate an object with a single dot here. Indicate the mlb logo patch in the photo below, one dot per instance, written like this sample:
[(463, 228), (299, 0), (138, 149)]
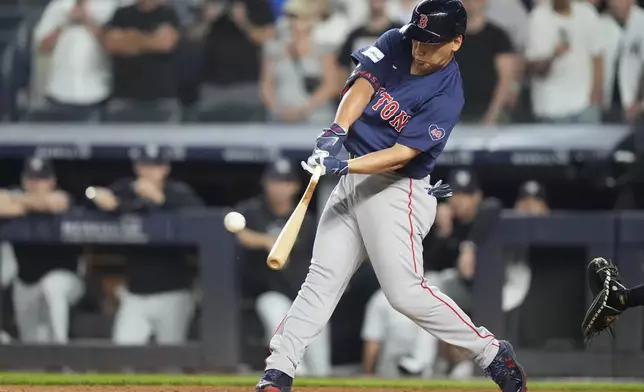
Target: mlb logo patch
[(436, 133), (374, 54)]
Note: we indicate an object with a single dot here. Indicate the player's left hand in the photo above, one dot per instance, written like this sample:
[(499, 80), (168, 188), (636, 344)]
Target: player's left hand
[(329, 164)]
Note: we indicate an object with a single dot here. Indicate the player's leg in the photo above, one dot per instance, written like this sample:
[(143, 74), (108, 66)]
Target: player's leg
[(271, 307), (131, 323), (394, 215), (171, 315), (61, 289), (423, 356), (337, 252), (28, 306), (317, 356)]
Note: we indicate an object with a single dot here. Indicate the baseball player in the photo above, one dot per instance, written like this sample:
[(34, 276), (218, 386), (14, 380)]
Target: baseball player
[(49, 280), (612, 298), (397, 111), (156, 299)]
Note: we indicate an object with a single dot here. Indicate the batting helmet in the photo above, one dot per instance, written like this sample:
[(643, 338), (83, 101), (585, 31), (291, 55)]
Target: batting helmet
[(436, 21)]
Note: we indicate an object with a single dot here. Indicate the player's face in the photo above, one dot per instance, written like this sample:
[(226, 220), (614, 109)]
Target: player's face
[(279, 191), (430, 57), (152, 172), (38, 185)]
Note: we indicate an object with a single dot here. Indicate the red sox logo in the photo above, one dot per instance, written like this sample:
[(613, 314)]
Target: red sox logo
[(436, 133), (422, 23)]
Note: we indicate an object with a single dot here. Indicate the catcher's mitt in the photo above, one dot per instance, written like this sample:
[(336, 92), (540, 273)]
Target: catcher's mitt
[(609, 302)]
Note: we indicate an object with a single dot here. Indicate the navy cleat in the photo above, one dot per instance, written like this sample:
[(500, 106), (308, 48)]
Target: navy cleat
[(274, 381), (506, 372)]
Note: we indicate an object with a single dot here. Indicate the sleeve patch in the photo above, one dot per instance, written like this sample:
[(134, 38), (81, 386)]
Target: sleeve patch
[(374, 54), (436, 133)]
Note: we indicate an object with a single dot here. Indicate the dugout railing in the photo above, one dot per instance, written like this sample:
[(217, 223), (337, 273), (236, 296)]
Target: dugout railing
[(218, 347), (597, 232), (607, 234)]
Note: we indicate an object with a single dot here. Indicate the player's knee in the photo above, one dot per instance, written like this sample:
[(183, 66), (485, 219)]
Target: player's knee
[(402, 302)]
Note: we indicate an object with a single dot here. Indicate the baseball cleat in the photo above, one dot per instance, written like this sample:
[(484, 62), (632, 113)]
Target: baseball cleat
[(274, 381), (506, 371)]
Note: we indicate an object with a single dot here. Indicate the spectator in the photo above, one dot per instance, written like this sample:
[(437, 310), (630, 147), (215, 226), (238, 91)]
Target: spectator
[(488, 66), (71, 31), (512, 17), (564, 54), (623, 31), (48, 283), (274, 291), (156, 299), (299, 79), (234, 35), (377, 24), (142, 39), (333, 25)]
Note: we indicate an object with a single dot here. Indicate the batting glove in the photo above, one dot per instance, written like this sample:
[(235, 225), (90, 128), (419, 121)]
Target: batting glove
[(330, 141), (331, 165), (440, 190)]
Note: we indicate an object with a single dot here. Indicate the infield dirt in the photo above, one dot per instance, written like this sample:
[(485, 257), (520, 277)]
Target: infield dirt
[(201, 388)]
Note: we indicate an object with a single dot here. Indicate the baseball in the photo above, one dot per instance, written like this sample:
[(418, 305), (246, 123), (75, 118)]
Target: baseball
[(234, 222)]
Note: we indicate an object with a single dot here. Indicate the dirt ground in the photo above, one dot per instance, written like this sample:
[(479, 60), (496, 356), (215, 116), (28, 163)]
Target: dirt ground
[(120, 388)]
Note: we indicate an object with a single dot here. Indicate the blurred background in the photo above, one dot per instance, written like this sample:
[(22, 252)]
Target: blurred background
[(130, 127)]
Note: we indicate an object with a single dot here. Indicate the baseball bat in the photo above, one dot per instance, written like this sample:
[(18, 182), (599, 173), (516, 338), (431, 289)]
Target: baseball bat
[(284, 244)]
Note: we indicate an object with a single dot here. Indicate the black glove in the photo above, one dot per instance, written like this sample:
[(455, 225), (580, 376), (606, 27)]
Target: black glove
[(440, 190), (610, 298), (329, 142)]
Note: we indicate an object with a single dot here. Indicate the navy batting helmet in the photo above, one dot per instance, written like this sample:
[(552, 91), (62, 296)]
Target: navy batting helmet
[(436, 21)]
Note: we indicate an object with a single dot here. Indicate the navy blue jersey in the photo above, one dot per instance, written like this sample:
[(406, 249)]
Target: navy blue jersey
[(416, 111)]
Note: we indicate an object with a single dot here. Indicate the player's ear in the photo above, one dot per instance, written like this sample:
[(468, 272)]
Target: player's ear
[(457, 42)]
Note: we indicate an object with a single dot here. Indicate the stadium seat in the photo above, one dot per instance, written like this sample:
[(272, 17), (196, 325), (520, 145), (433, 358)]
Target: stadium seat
[(143, 113), (230, 113)]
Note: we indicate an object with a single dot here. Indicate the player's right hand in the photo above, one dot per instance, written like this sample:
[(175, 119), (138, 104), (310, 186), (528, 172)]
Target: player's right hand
[(329, 164), (331, 140)]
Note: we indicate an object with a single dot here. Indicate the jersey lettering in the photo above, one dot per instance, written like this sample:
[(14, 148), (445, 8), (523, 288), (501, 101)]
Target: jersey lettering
[(400, 121), (388, 107), (389, 110), (384, 98)]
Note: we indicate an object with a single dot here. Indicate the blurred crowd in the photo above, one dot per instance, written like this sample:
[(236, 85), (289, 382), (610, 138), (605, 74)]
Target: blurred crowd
[(154, 298), (566, 61)]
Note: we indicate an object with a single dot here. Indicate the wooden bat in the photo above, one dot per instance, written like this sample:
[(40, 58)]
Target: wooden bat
[(284, 244)]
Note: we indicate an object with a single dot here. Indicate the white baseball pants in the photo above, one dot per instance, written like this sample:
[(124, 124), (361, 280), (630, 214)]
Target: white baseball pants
[(167, 316), (42, 308)]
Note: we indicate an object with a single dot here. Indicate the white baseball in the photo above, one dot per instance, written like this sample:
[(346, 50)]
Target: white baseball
[(234, 222)]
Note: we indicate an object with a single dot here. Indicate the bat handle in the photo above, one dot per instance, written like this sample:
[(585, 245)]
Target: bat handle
[(317, 172)]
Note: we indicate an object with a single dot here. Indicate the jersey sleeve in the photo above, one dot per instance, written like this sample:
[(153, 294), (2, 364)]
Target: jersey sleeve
[(431, 126), (373, 63)]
